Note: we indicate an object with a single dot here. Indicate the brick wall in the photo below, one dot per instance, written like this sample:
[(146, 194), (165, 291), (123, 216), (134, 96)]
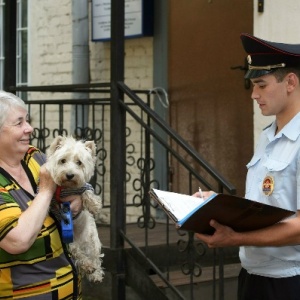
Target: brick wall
[(50, 49)]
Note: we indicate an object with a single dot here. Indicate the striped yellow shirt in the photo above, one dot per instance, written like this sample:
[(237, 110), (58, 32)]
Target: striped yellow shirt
[(45, 269)]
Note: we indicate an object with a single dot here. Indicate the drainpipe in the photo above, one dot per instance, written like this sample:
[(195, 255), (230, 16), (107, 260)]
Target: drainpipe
[(80, 62)]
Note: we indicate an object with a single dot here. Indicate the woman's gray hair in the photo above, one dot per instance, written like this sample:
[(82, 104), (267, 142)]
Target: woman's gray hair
[(8, 101)]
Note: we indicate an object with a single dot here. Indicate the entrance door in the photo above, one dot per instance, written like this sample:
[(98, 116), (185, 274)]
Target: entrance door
[(210, 106)]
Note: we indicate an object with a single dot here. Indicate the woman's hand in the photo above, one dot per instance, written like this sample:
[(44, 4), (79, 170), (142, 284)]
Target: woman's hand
[(75, 204), (46, 183)]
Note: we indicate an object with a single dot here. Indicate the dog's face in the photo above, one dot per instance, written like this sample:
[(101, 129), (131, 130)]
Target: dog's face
[(71, 163)]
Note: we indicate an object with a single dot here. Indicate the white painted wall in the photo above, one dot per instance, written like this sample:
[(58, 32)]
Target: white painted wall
[(280, 22)]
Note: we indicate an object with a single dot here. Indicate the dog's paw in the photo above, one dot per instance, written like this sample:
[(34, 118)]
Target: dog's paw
[(96, 276), (88, 268), (102, 218), (92, 202)]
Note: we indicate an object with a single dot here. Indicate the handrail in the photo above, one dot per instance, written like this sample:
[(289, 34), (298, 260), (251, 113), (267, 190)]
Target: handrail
[(153, 266), (89, 88), (165, 144), (173, 134)]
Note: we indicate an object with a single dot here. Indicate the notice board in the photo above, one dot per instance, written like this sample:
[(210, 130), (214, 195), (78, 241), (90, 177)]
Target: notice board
[(138, 19)]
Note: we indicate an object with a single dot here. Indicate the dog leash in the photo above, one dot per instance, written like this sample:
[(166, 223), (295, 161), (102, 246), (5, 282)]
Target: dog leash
[(66, 221), (65, 210)]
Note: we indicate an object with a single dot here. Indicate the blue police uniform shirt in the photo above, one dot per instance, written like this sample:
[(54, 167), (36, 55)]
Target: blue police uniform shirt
[(278, 157)]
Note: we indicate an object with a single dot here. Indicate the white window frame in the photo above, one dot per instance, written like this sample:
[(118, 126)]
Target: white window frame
[(21, 55), (1, 43)]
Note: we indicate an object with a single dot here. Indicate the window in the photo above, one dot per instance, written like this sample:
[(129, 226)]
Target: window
[(22, 43), (1, 43)]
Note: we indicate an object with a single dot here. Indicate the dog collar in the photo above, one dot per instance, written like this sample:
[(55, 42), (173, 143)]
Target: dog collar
[(57, 194), (62, 192)]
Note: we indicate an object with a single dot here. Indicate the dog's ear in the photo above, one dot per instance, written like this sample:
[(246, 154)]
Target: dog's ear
[(57, 142), (91, 146)]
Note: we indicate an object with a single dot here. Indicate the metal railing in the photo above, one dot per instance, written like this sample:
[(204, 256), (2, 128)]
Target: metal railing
[(192, 170)]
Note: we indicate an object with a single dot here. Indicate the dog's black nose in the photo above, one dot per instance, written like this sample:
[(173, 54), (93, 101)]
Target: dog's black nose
[(69, 176)]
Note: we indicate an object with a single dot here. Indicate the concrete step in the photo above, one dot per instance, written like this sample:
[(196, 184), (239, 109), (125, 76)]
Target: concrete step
[(177, 278)]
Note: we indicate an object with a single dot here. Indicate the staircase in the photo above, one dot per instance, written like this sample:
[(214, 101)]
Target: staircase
[(144, 283)]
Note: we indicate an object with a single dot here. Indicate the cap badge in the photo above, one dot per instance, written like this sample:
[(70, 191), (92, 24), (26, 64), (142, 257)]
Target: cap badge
[(249, 59), (268, 185)]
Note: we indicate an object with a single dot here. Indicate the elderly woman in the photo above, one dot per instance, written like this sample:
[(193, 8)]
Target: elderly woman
[(34, 263)]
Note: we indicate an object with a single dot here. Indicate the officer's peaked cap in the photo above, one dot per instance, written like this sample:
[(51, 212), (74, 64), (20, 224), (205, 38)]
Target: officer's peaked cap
[(265, 57)]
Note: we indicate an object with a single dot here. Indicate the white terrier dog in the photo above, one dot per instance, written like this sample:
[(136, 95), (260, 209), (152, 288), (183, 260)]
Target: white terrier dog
[(71, 164)]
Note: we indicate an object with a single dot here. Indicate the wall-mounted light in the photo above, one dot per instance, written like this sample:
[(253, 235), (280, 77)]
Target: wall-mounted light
[(260, 6)]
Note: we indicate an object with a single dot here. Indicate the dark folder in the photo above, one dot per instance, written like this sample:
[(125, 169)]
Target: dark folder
[(236, 212)]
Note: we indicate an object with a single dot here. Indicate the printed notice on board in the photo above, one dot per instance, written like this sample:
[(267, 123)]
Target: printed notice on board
[(101, 10)]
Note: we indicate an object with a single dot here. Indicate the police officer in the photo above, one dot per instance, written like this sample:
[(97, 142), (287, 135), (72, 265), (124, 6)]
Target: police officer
[(270, 257)]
